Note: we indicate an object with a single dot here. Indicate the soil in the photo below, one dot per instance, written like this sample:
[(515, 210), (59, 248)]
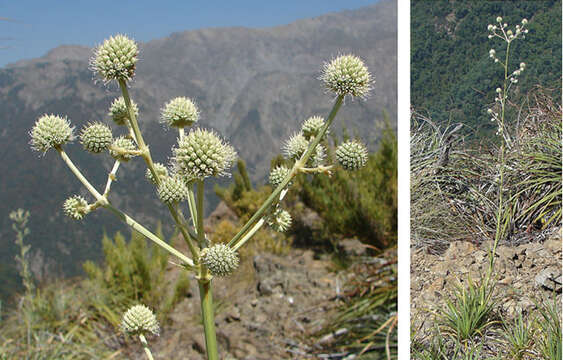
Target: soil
[(265, 310), (525, 274)]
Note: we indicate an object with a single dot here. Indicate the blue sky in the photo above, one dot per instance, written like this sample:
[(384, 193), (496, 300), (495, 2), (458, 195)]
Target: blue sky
[(29, 29)]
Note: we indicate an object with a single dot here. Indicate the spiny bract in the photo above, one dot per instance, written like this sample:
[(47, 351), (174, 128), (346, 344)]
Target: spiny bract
[(121, 148), (201, 154), (311, 127), (119, 113), (139, 319), (115, 59), (50, 131), (161, 172), (352, 155), (172, 190), (96, 137), (277, 175), (180, 112), (75, 207), (347, 75), (220, 259)]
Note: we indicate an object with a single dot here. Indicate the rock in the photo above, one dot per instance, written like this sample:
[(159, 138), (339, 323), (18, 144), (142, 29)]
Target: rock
[(549, 278)]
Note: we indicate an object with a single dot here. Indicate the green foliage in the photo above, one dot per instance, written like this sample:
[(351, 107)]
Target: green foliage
[(518, 334), (451, 74), (361, 203), (550, 334), (240, 186)]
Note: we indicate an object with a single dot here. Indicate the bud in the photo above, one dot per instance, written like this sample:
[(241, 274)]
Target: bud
[(220, 259), (115, 59), (278, 174), (280, 220), (50, 131), (489, 111), (172, 190), (509, 33), (522, 66), (119, 113), (490, 27), (120, 148), (75, 207), (161, 171), (180, 112), (318, 156), (352, 155), (139, 319), (295, 146), (347, 75), (96, 137), (312, 126), (498, 90), (524, 21), (499, 19), (201, 154), (492, 52)]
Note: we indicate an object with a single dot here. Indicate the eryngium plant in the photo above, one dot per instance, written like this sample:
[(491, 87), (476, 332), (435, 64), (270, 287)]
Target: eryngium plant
[(198, 155)]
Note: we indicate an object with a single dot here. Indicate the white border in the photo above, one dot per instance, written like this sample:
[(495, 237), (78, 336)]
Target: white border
[(403, 128)]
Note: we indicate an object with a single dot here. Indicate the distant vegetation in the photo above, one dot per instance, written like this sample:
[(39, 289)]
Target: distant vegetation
[(451, 75)]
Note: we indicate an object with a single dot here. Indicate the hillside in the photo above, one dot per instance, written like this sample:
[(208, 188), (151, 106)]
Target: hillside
[(254, 86), (451, 70)]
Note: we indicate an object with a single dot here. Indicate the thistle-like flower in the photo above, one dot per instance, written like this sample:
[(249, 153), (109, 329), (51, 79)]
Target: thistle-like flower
[(75, 207), (96, 137), (220, 259), (201, 154), (295, 146), (161, 171), (50, 131), (352, 155), (277, 175), (347, 75), (180, 112), (118, 111), (121, 149), (115, 59), (280, 220), (172, 190), (140, 320), (312, 126)]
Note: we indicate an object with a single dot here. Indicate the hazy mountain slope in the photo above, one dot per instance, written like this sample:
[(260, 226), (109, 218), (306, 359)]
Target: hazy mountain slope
[(254, 86)]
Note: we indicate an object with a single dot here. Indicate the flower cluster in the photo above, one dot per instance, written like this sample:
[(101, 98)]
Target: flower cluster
[(75, 207), (180, 112), (118, 111), (139, 319), (220, 259), (352, 155), (50, 131), (172, 190), (280, 220), (161, 172), (122, 149), (501, 30), (347, 75), (277, 175), (201, 154), (115, 59), (96, 137), (312, 126)]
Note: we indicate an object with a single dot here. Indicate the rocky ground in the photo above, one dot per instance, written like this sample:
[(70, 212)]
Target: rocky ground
[(525, 273), (264, 311)]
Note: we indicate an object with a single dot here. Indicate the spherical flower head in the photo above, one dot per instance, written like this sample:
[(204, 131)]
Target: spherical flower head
[(161, 172), (318, 157), (352, 155), (180, 112), (280, 220), (75, 207), (524, 21), (201, 154), (295, 146), (347, 75), (140, 320), (312, 126), (119, 113), (115, 59), (220, 259), (121, 147), (50, 131), (499, 19), (277, 175), (96, 137), (172, 190)]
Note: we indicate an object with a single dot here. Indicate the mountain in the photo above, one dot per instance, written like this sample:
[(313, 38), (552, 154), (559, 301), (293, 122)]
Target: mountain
[(254, 86), (452, 77)]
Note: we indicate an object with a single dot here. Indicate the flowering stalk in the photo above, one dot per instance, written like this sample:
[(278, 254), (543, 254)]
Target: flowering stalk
[(501, 31)]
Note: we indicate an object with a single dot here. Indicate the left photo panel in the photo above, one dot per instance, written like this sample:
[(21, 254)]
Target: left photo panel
[(210, 182)]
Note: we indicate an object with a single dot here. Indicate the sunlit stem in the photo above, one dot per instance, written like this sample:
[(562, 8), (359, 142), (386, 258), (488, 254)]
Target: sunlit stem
[(298, 164), (146, 346), (111, 177)]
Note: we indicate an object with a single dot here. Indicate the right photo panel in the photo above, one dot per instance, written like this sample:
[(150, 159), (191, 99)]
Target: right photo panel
[(486, 180)]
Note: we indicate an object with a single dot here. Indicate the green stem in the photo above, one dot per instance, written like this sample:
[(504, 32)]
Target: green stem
[(206, 298), (298, 165), (146, 154), (146, 346), (199, 210), (248, 235), (124, 217), (192, 205)]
